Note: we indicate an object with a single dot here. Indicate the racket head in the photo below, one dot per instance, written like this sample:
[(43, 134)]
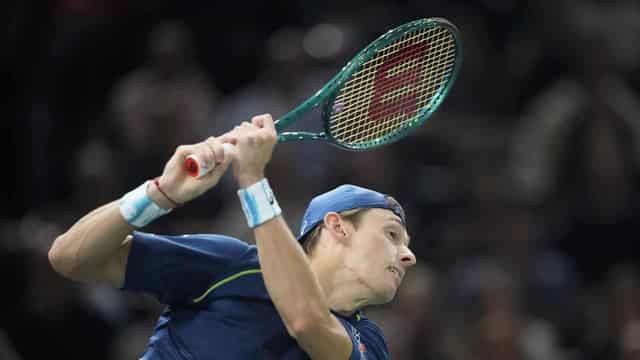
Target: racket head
[(393, 85)]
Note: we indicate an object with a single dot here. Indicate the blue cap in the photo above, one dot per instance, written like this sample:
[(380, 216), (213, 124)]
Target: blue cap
[(343, 198)]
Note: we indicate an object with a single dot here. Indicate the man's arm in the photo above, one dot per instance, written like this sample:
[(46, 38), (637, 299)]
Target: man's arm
[(96, 248), (290, 281), (297, 294)]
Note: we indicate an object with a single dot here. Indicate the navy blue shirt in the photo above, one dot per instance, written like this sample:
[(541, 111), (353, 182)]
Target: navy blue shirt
[(217, 303)]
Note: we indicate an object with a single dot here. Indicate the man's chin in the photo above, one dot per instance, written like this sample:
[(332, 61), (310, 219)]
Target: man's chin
[(384, 296)]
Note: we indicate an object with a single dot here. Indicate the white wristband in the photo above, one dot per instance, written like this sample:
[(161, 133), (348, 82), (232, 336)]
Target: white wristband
[(138, 209), (258, 203)]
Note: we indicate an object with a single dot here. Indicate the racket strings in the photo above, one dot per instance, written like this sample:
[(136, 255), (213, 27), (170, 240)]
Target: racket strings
[(355, 124), (391, 123), (385, 53), (366, 76), (393, 117), (390, 83), (408, 64), (431, 87), (379, 128)]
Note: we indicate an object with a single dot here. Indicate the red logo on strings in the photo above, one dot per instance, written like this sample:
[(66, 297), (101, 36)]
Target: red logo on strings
[(384, 84)]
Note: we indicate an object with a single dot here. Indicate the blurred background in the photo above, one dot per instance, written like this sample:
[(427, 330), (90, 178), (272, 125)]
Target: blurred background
[(522, 191)]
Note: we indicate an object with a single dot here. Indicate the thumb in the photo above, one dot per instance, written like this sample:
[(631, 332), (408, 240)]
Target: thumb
[(221, 168)]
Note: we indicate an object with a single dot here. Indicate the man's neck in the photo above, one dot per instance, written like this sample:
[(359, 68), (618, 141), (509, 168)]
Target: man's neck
[(345, 293)]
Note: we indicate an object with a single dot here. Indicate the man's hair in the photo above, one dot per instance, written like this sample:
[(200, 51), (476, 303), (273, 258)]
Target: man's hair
[(310, 240)]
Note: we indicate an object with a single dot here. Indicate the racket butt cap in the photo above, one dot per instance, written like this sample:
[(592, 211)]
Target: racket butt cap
[(192, 166)]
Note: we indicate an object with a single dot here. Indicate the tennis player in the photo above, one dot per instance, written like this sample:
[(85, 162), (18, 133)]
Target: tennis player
[(284, 298)]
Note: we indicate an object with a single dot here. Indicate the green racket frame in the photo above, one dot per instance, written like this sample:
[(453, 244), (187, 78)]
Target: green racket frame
[(327, 94)]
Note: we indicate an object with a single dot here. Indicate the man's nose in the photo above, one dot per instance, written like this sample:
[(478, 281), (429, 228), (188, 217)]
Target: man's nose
[(407, 258)]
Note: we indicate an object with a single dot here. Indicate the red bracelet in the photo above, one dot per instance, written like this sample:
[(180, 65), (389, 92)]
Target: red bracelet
[(174, 203)]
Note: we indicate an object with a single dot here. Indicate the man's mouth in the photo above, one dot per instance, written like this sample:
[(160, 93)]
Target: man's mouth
[(397, 271)]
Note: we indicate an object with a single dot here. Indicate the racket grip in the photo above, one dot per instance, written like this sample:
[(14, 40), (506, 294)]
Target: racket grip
[(195, 167)]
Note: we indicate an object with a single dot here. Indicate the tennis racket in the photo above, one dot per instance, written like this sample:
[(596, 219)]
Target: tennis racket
[(384, 93)]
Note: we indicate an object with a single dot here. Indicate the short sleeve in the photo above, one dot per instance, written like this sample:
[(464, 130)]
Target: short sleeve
[(176, 269), (367, 340)]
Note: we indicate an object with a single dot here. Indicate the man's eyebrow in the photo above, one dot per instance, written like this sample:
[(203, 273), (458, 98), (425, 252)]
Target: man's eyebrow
[(395, 219)]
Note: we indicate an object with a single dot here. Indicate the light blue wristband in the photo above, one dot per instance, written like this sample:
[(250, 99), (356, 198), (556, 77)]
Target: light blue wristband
[(258, 203), (138, 209)]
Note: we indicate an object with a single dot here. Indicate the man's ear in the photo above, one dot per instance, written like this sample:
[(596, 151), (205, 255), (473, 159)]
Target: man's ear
[(334, 224)]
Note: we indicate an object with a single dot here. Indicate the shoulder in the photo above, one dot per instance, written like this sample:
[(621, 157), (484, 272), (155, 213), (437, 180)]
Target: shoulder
[(195, 242), (176, 268), (190, 250)]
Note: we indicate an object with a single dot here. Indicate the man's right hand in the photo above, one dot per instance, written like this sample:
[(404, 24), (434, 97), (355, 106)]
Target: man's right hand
[(179, 185), (255, 143)]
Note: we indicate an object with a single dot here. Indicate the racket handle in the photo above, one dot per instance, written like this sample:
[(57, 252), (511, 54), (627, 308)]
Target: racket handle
[(196, 167)]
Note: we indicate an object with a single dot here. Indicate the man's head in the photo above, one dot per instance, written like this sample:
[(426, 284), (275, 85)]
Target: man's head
[(364, 232)]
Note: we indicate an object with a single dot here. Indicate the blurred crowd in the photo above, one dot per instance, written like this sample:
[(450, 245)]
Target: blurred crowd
[(521, 192)]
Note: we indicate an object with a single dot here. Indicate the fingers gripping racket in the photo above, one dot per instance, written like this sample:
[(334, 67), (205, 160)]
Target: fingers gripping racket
[(384, 93)]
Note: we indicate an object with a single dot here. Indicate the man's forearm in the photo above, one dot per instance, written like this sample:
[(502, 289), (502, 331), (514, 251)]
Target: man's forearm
[(292, 285)]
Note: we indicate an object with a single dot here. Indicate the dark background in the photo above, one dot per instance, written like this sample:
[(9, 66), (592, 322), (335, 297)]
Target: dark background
[(521, 191)]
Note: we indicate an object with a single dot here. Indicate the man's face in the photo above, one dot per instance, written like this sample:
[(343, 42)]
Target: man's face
[(379, 253)]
